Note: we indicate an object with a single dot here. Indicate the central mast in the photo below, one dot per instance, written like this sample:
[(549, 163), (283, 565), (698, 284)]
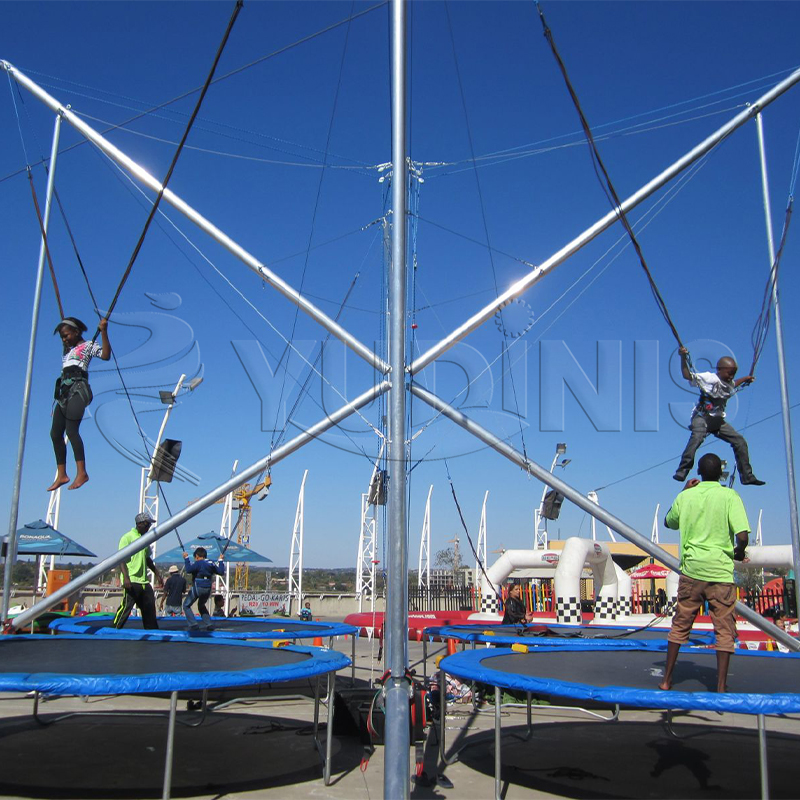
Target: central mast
[(396, 775)]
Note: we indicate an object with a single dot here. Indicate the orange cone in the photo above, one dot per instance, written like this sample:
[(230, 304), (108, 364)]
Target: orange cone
[(451, 647), (317, 641)]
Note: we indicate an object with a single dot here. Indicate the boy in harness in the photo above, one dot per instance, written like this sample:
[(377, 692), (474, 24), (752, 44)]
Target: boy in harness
[(72, 395), (202, 570), (708, 416)]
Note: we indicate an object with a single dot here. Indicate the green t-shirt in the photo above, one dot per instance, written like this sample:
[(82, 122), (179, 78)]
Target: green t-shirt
[(137, 564), (709, 516)]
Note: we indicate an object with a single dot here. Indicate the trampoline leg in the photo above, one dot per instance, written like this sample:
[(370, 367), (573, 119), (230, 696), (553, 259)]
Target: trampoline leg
[(442, 713), (529, 732), (173, 711), (424, 656), (498, 777), (762, 757), (316, 712), (329, 732), (353, 659)]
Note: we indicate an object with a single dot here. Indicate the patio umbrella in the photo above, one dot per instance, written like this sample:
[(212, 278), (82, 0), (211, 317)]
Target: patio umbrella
[(40, 539), (649, 571), (214, 545)]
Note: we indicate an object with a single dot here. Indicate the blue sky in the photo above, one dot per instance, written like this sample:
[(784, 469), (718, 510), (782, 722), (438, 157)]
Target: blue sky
[(653, 78)]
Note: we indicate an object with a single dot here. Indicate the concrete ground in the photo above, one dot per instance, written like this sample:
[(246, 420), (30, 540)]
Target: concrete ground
[(263, 748)]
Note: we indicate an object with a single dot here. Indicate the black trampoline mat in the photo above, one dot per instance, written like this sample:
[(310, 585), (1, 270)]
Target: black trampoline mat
[(239, 624), (696, 671), (91, 656), (565, 632)]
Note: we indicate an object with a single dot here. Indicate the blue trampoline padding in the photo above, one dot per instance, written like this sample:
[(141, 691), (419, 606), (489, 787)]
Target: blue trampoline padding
[(593, 634), (224, 628), (509, 670), (86, 665)]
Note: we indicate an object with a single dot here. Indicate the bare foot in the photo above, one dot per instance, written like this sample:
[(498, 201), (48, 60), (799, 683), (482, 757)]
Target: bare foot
[(664, 686), (58, 482), (79, 481)]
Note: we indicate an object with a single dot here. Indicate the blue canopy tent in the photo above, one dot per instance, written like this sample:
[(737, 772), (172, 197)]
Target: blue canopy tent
[(214, 545), (40, 539)]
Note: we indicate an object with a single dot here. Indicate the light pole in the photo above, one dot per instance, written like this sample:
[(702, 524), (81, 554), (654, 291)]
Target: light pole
[(540, 535)]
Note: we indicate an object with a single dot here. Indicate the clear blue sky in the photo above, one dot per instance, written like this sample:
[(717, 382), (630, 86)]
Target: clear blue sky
[(654, 79)]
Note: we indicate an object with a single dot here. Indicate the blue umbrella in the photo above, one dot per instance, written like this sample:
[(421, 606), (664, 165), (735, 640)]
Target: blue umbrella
[(214, 545), (40, 539)]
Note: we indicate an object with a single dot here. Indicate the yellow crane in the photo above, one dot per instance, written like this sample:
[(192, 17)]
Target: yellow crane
[(241, 497), (241, 503)]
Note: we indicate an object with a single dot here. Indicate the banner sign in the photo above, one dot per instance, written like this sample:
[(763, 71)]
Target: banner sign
[(263, 604)]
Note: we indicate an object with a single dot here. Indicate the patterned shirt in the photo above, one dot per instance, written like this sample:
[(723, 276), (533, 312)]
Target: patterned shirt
[(81, 355)]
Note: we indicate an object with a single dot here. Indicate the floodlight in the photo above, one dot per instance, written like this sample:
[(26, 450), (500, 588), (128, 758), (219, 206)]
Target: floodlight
[(194, 383), (167, 398), (561, 448), (564, 462)]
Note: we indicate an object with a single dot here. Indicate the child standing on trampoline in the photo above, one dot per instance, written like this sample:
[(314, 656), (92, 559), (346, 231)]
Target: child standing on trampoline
[(202, 570)]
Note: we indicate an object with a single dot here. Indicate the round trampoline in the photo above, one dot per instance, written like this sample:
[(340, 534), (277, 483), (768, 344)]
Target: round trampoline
[(266, 628), (759, 682), (557, 635), (85, 665), (585, 636), (224, 627)]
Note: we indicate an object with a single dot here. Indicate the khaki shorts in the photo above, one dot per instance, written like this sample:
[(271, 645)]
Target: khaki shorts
[(721, 599)]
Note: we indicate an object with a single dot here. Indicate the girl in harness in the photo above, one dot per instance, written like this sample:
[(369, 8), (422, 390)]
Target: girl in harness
[(72, 396), (708, 416)]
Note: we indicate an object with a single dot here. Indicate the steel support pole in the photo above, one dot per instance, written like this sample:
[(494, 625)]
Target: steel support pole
[(198, 219), (11, 547), (794, 526), (199, 505), (598, 512), (607, 221), (396, 772)]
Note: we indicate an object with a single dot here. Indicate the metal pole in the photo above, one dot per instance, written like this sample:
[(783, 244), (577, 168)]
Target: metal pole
[(498, 753), (11, 548), (198, 219), (594, 510), (762, 757), (168, 758), (607, 221), (794, 525), (199, 505), (396, 772)]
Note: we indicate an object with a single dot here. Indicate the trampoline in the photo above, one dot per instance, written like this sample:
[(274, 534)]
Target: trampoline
[(84, 665), (266, 628), (760, 683), (589, 636)]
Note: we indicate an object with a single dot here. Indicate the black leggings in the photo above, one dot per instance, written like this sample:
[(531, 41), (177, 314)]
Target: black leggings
[(68, 421)]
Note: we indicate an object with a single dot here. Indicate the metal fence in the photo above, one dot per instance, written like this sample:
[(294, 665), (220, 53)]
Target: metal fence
[(440, 598), (761, 600)]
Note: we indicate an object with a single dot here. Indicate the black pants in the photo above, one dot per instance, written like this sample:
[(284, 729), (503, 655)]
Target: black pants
[(67, 419), (142, 596)]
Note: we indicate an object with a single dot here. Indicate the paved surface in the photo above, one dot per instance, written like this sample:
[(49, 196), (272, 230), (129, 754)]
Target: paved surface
[(263, 748)]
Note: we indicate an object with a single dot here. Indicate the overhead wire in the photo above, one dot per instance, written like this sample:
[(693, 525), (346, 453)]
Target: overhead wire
[(276, 441), (244, 297), (29, 171), (137, 248), (231, 73), (483, 215), (671, 459), (643, 222), (605, 180)]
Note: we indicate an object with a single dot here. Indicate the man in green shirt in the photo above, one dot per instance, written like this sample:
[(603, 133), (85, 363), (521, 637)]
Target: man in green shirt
[(138, 591), (710, 517)]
